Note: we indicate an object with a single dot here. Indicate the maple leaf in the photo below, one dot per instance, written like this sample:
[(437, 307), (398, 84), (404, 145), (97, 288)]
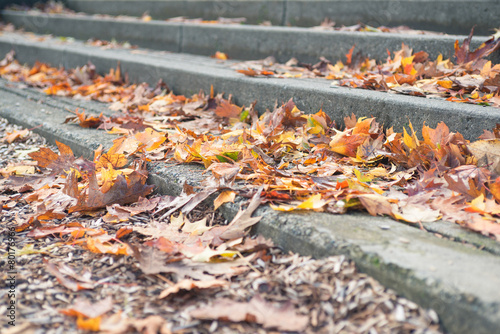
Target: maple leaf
[(463, 54), (115, 160), (376, 204), (187, 201), (150, 138), (228, 110), (488, 227), (16, 135), (347, 144), (96, 245), (249, 72), (46, 158), (314, 202), (42, 232), (123, 191), (220, 55), (495, 189)]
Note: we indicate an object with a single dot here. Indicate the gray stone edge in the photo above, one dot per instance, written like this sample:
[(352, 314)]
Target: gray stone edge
[(238, 41), (446, 16)]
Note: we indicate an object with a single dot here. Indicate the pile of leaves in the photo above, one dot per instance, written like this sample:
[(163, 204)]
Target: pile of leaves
[(471, 79), (86, 224), (299, 161)]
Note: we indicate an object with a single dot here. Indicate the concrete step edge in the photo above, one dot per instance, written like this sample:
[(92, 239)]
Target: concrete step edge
[(447, 16), (237, 41)]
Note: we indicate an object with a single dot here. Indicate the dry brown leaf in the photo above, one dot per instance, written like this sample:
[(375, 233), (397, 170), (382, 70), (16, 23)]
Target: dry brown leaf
[(75, 282), (152, 260), (487, 153), (224, 197), (243, 219), (257, 310), (10, 137), (189, 285)]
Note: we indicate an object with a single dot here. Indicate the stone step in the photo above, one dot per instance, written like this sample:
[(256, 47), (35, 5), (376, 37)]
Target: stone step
[(244, 42), (450, 16), (187, 74), (459, 281)]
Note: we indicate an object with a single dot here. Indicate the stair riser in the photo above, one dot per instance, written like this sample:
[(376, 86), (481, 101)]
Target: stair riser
[(239, 42)]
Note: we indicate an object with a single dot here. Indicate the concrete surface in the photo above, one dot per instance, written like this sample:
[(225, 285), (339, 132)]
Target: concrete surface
[(256, 11), (458, 281), (450, 16), (187, 74), (237, 41)]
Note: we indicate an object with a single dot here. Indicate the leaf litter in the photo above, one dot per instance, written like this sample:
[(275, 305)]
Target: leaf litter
[(467, 78), (285, 151), (175, 285), (280, 158)]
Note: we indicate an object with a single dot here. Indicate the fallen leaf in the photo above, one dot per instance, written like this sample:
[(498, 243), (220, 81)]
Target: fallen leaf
[(487, 153), (16, 135), (74, 282), (224, 197), (83, 307), (243, 219), (257, 310), (189, 285)]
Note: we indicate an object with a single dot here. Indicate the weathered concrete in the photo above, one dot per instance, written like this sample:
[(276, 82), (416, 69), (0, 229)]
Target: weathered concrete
[(6, 3), (186, 74), (238, 41), (459, 282), (450, 16), (256, 11)]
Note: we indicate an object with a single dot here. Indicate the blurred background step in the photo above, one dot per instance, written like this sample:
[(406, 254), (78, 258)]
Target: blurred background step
[(450, 16), (245, 42)]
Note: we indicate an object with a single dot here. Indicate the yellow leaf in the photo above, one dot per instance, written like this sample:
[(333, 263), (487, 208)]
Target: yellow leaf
[(312, 203), (17, 170), (89, 324), (116, 160), (224, 197), (107, 177), (478, 203), (96, 246), (445, 83)]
